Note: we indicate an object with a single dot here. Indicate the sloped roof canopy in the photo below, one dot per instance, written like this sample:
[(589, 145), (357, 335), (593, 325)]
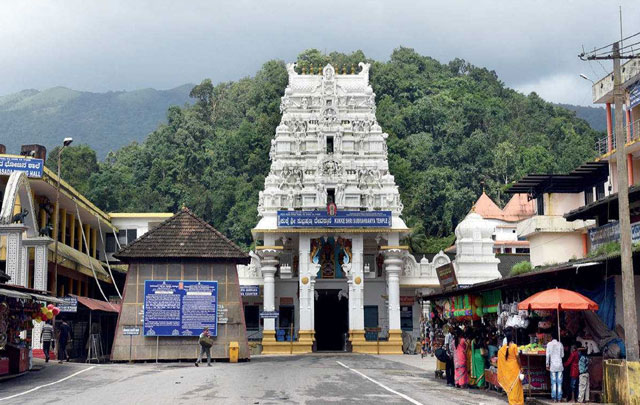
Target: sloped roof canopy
[(518, 208), (487, 208), (183, 236)]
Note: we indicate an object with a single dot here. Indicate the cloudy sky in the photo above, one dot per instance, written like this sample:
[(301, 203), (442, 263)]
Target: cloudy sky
[(131, 44)]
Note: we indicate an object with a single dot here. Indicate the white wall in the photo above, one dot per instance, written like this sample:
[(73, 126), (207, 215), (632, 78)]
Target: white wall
[(554, 247), (561, 203)]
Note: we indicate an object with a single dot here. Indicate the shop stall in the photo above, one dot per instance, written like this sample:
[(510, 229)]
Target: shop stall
[(20, 309)]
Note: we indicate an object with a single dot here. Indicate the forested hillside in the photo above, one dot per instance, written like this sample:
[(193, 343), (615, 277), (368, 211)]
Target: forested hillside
[(106, 121), (595, 116), (452, 127)]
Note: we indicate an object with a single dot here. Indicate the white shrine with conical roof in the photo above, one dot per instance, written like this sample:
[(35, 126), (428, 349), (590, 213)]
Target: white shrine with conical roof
[(329, 258)]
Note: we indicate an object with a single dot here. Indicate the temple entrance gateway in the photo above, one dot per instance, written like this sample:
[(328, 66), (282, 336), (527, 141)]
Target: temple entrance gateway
[(331, 320), (330, 225)]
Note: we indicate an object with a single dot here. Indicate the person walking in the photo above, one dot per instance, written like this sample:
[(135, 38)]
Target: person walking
[(583, 368), (555, 353), (574, 371), (509, 371), (46, 338), (64, 337), (205, 343)]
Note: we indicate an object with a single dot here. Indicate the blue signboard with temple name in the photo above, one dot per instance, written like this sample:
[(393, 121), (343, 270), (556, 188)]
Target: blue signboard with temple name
[(30, 166), (180, 308), (341, 219)]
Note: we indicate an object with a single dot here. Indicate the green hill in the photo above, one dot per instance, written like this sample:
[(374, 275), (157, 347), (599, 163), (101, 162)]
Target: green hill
[(454, 129), (105, 121), (595, 116)]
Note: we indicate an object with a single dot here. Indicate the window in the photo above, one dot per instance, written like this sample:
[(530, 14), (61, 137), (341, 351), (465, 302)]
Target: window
[(132, 234), (110, 243), (599, 191), (588, 196), (540, 204), (406, 318), (126, 236), (370, 322), (252, 317), (329, 144)]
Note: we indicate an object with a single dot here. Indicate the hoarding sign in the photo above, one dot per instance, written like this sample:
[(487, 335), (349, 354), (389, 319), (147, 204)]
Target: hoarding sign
[(70, 305), (130, 330), (180, 308), (634, 96), (269, 314), (32, 167), (611, 233), (447, 276), (249, 290), (341, 219)]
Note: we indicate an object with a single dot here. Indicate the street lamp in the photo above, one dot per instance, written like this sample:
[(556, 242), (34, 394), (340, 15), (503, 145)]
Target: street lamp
[(585, 77), (56, 221)]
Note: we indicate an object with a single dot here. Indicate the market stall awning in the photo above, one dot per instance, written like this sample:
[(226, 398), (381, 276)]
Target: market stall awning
[(97, 305), (16, 291), (559, 299)]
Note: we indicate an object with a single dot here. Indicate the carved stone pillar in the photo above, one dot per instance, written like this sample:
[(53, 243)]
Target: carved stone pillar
[(269, 261), (13, 234), (307, 274), (40, 260), (23, 273), (393, 268), (356, 296)]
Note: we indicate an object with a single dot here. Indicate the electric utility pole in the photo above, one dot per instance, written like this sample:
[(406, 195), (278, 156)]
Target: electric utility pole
[(624, 220)]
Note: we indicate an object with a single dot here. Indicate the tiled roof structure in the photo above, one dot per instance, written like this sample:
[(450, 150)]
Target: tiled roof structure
[(517, 209), (184, 235)]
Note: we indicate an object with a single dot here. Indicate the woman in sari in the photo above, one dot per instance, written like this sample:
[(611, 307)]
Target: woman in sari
[(509, 371), (477, 362), (460, 362)]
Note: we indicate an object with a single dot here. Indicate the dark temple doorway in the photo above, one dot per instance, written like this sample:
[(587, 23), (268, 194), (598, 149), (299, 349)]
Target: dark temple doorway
[(331, 320)]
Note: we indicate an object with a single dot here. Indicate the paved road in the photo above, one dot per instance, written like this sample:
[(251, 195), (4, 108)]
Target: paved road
[(314, 379)]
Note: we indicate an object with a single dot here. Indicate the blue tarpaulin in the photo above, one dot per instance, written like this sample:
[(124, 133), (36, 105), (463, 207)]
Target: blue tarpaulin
[(605, 297)]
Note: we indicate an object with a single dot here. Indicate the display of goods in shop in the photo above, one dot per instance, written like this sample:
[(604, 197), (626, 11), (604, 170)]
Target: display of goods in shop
[(535, 348), (467, 306), (491, 302)]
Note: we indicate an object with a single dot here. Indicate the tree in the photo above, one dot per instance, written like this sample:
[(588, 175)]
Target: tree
[(78, 163)]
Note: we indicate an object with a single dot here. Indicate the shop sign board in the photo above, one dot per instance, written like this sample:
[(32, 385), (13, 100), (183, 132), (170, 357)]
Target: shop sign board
[(32, 167), (269, 314), (407, 300), (70, 304), (130, 330), (447, 276), (341, 219), (180, 308), (611, 233), (249, 290), (634, 96), (286, 300)]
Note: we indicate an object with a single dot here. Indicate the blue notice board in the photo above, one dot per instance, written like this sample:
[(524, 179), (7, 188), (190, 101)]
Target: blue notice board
[(342, 219), (180, 308), (32, 167)]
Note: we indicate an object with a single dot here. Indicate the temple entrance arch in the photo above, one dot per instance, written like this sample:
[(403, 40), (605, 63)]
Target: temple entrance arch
[(331, 319), (18, 187)]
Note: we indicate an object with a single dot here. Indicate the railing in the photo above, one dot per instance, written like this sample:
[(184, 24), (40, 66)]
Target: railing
[(602, 145), (635, 130)]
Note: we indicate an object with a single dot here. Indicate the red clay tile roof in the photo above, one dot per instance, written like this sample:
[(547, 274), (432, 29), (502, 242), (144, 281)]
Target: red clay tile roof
[(518, 208), (487, 208), (183, 236)]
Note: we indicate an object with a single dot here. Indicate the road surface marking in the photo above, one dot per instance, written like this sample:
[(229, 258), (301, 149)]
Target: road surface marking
[(48, 385), (401, 395)]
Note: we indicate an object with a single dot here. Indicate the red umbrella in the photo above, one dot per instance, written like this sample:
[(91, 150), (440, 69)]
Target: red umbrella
[(558, 299)]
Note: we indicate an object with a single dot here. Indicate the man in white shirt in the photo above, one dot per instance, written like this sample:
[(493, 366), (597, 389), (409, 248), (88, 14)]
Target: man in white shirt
[(46, 337), (555, 353)]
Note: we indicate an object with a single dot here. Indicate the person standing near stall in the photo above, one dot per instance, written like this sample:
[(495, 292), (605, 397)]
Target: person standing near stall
[(477, 361), (555, 353), (460, 361), (509, 371), (574, 371), (449, 347), (583, 367)]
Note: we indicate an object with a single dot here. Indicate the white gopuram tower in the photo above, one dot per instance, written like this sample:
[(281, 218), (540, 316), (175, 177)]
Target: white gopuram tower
[(329, 218)]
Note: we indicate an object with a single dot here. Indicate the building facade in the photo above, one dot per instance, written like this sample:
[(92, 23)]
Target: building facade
[(330, 261)]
